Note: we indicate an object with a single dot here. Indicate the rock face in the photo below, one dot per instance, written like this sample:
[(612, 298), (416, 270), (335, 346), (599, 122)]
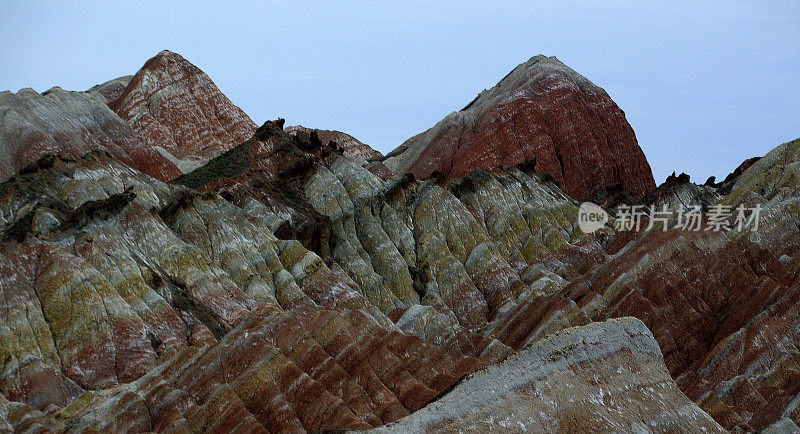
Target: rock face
[(33, 125), (178, 110), (391, 238), (722, 305), (290, 285), (603, 377), (706, 298), (541, 109), (350, 144), (134, 304), (675, 192)]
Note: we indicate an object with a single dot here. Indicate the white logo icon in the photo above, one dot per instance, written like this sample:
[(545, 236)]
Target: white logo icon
[(591, 217)]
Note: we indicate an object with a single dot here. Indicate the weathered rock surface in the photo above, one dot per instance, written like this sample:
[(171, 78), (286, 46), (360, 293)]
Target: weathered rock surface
[(112, 89), (351, 145), (18, 417), (33, 125), (460, 247), (723, 306), (178, 110), (602, 377), (773, 177), (132, 304), (706, 299), (541, 109), (676, 192), (290, 284)]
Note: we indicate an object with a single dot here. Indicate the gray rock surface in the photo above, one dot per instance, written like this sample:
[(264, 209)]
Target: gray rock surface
[(33, 125), (602, 377), (112, 89)]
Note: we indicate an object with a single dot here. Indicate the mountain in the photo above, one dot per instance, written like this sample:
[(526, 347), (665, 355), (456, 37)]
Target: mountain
[(167, 119), (33, 125), (288, 285), (544, 388), (544, 110), (139, 304), (179, 111)]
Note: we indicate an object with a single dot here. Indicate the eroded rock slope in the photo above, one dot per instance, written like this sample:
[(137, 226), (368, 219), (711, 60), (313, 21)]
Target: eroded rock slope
[(132, 304), (33, 125), (289, 284), (603, 377), (723, 306)]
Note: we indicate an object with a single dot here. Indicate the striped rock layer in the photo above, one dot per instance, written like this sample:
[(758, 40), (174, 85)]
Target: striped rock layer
[(603, 377), (177, 109), (33, 125), (543, 110), (289, 285)]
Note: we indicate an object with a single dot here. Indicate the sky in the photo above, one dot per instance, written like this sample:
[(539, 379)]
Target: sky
[(704, 84)]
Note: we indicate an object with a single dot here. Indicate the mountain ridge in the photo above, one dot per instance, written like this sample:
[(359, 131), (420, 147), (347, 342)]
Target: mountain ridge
[(291, 283)]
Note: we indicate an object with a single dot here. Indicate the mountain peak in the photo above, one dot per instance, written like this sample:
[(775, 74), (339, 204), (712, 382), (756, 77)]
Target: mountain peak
[(541, 109), (178, 109)]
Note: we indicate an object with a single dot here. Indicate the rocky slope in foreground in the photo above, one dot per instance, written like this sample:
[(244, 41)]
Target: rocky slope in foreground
[(544, 110), (603, 377), (723, 306)]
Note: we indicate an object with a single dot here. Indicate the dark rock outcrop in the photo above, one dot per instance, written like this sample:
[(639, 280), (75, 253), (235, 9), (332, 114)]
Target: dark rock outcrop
[(350, 144)]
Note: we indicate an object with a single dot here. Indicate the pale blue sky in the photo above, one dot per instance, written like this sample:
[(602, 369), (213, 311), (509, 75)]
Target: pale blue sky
[(705, 84)]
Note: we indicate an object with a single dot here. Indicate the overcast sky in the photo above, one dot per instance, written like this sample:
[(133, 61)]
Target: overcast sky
[(705, 84)]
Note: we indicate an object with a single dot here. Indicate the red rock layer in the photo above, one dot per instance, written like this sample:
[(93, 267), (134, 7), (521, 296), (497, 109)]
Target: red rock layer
[(306, 369), (175, 106), (542, 109)]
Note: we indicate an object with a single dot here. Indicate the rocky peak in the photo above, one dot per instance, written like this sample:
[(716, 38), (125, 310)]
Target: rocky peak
[(289, 285), (177, 109), (541, 109)]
